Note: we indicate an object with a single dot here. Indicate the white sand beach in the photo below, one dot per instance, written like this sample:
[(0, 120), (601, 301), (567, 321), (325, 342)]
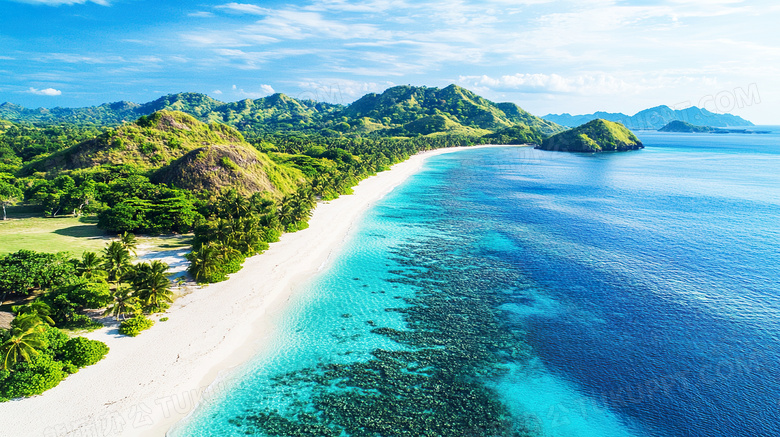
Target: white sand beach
[(147, 383)]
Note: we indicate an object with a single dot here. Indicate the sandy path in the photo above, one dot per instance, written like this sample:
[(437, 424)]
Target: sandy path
[(148, 383)]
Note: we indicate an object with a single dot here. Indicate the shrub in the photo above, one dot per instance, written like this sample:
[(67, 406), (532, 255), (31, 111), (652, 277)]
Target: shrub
[(82, 322), (228, 164), (55, 340), (297, 226), (85, 293), (134, 326), (164, 319), (124, 216), (62, 310), (69, 367), (25, 270), (271, 235), (31, 378), (147, 148), (82, 352)]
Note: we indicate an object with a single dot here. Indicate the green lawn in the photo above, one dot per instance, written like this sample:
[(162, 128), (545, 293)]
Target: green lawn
[(71, 234)]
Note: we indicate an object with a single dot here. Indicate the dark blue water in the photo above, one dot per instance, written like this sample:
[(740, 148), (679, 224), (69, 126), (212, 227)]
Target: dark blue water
[(623, 294), (664, 266)]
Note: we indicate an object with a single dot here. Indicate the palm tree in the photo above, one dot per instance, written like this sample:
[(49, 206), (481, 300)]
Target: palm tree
[(307, 197), (233, 205), (286, 211), (301, 206), (225, 231), (89, 266), (250, 236), (261, 204), (37, 309), (204, 262), (124, 302), (227, 252), (153, 288), (24, 342), (318, 186), (116, 260), (129, 242)]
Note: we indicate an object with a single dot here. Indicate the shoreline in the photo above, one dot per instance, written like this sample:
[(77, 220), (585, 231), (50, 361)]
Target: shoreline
[(147, 384)]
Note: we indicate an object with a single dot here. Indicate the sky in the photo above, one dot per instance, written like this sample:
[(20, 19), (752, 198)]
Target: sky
[(548, 56)]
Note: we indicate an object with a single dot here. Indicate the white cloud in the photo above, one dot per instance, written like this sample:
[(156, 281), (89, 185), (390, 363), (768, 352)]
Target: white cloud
[(227, 38), (63, 2), (374, 6), (243, 8), (201, 14), (295, 25), (341, 91), (597, 84), (217, 92), (81, 59), (264, 90), (44, 92)]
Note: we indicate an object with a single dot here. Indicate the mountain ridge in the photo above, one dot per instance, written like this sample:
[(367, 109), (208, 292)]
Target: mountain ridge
[(653, 118), (394, 112)]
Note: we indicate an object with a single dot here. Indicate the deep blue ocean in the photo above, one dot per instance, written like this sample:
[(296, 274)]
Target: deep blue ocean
[(516, 292)]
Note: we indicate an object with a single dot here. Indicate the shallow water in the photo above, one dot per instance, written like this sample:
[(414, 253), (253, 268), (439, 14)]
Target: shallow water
[(539, 293)]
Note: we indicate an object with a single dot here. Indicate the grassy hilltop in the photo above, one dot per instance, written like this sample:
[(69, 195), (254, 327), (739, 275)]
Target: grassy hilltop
[(594, 136), (176, 149)]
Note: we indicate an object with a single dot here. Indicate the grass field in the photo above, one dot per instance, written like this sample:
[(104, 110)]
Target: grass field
[(70, 234), (59, 234)]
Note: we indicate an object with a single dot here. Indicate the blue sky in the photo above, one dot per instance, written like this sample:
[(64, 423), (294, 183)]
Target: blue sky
[(546, 56)]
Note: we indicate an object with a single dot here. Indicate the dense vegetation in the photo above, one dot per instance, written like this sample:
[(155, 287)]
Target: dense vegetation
[(37, 356), (22, 143), (401, 110), (594, 136), (170, 172), (163, 172), (682, 126), (55, 292)]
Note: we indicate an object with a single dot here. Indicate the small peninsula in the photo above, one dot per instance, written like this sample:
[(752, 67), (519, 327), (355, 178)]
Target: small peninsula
[(679, 126), (595, 136), (684, 126)]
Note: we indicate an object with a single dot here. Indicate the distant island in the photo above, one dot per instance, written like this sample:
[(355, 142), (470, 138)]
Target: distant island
[(654, 118), (595, 136), (684, 127)]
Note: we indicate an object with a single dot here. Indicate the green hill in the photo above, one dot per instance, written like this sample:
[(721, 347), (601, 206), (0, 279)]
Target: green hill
[(148, 143), (400, 109), (595, 136), (233, 165), (278, 112), (179, 150)]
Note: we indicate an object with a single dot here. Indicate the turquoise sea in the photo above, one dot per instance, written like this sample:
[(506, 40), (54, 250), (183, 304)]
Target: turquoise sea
[(516, 292)]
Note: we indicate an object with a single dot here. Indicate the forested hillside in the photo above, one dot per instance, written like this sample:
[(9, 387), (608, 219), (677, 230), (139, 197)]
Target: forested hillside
[(399, 111), (167, 165)]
